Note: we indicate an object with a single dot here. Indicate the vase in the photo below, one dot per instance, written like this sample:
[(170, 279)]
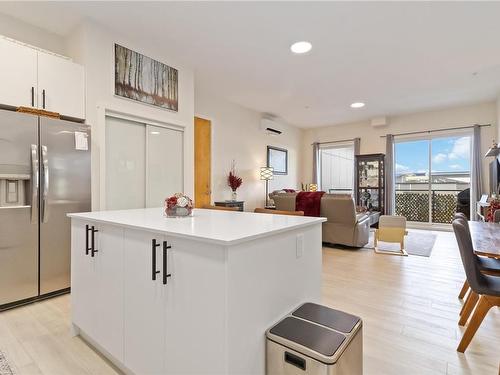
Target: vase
[(234, 196), (177, 211)]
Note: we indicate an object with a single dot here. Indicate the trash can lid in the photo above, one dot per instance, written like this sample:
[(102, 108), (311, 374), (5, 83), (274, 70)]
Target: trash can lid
[(312, 336), (325, 316)]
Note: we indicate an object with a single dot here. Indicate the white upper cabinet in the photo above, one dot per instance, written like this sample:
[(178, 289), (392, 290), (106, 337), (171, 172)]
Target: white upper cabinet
[(33, 78), (17, 74), (61, 86)]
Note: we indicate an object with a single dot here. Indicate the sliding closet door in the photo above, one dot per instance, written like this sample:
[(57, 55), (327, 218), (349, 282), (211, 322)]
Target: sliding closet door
[(164, 164), (125, 164)]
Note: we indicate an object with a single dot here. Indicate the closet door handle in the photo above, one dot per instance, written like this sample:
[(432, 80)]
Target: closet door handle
[(92, 249), (154, 272), (87, 248), (43, 98), (32, 96), (165, 263)]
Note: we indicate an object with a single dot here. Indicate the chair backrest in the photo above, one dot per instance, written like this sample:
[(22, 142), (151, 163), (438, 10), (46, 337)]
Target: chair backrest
[(496, 216), (278, 212), (460, 215), (392, 221), (469, 260), (220, 208), (340, 210)]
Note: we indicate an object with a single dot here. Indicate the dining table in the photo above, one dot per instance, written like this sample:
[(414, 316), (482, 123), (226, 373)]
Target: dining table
[(485, 238)]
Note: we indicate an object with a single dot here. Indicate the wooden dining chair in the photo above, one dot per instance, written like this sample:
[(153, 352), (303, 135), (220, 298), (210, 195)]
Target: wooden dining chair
[(220, 208), (278, 212), (484, 288)]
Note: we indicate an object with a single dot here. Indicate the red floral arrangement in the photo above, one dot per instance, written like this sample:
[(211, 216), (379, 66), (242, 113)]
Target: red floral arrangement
[(494, 205), (178, 205), (233, 181)]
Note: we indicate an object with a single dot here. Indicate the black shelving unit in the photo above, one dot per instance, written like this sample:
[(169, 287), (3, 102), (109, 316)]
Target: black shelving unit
[(370, 181)]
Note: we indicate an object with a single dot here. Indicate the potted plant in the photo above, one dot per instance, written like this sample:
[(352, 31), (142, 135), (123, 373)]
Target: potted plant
[(233, 181)]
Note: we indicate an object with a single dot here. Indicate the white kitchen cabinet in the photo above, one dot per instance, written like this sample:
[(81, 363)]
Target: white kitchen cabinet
[(232, 276), (98, 281), (18, 74), (83, 282), (144, 303), (108, 275), (33, 78), (61, 85)]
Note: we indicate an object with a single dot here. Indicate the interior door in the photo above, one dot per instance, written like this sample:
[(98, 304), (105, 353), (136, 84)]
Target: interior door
[(202, 162), (165, 168), (65, 187), (17, 74), (18, 207), (61, 85)]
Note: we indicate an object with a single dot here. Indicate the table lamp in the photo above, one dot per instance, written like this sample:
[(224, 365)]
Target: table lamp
[(267, 173)]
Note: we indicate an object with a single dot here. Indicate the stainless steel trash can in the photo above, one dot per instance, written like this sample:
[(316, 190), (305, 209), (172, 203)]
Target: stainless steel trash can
[(315, 340)]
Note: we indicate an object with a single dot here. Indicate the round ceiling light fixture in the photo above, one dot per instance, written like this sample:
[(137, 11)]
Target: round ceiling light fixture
[(357, 105), (301, 47)]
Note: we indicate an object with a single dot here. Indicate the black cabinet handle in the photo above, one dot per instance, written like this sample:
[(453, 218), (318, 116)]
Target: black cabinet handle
[(87, 248), (32, 96), (43, 98), (92, 247), (154, 272), (165, 264)]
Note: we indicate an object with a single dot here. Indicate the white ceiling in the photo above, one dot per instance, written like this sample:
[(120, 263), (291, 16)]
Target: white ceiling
[(396, 57)]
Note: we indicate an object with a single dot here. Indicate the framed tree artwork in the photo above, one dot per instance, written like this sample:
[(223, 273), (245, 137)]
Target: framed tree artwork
[(277, 158), (141, 78)]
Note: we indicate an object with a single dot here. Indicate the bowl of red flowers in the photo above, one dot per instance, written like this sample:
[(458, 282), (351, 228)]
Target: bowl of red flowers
[(178, 205)]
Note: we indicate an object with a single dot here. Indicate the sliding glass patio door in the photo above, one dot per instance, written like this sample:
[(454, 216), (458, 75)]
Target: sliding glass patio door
[(430, 172)]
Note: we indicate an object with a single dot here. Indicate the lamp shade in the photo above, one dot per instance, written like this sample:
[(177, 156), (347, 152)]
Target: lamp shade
[(266, 173), (493, 151)]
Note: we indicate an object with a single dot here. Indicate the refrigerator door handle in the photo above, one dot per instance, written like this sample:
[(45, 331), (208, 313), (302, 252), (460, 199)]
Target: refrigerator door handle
[(45, 193), (34, 183)]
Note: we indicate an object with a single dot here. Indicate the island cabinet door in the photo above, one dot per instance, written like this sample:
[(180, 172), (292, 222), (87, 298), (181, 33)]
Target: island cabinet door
[(83, 282), (108, 292), (144, 303), (195, 308)]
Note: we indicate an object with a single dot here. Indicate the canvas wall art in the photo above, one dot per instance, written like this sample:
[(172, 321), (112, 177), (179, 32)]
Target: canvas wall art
[(141, 78)]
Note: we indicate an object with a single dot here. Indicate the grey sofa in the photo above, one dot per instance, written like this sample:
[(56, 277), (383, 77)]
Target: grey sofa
[(344, 226)]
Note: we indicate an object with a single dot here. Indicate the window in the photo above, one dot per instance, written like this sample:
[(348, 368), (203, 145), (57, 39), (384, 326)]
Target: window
[(429, 174), (336, 163)]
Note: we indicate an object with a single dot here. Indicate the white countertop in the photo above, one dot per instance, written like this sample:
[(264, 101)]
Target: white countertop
[(214, 226)]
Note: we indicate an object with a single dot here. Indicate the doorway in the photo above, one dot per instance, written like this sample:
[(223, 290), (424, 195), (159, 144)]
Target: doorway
[(202, 162)]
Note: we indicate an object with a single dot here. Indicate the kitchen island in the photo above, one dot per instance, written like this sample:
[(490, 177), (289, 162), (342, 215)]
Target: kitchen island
[(190, 295)]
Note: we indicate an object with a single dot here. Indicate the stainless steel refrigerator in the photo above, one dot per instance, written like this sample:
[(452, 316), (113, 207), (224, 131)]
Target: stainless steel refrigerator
[(44, 174)]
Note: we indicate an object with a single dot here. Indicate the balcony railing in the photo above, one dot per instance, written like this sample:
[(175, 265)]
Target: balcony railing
[(414, 205)]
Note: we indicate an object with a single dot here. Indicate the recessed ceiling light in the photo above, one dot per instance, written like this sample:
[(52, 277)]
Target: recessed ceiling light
[(357, 105), (155, 132), (301, 47)]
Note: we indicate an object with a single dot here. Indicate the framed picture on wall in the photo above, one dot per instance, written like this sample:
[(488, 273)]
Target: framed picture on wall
[(143, 79), (277, 158)]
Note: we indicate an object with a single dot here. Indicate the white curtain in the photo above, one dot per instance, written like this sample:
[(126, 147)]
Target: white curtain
[(389, 175), (315, 176), (476, 184)]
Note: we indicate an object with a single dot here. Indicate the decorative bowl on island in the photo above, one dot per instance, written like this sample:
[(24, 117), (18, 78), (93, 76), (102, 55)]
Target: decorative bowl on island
[(178, 205)]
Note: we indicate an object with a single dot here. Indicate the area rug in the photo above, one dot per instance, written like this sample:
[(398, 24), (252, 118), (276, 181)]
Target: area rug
[(417, 243), (5, 368)]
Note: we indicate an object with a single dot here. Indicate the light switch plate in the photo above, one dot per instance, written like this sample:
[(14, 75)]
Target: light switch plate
[(300, 245)]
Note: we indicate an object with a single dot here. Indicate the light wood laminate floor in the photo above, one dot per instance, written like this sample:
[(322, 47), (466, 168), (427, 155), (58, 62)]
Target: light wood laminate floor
[(409, 307)]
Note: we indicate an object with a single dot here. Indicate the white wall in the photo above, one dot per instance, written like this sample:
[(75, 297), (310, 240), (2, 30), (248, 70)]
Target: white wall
[(93, 46), (236, 135), (26, 33), (371, 142)]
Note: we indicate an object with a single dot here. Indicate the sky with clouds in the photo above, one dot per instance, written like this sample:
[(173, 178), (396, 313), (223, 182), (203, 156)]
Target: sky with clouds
[(450, 154)]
